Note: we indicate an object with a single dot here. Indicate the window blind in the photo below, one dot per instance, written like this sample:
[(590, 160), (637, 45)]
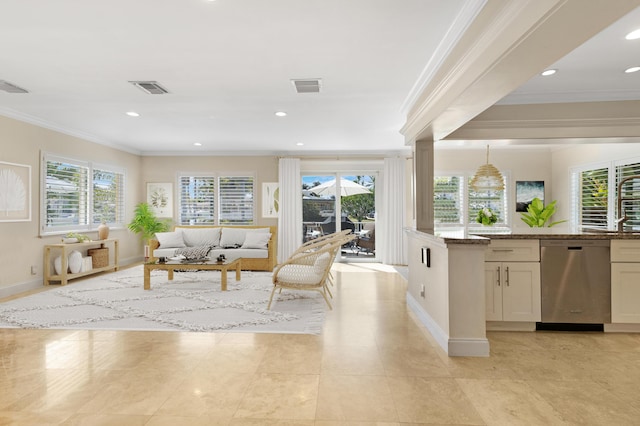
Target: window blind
[(236, 200), (108, 196), (593, 191), (447, 203), (197, 200), (630, 194), (65, 195)]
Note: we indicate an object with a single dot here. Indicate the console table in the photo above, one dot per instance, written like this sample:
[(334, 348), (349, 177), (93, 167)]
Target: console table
[(64, 250)]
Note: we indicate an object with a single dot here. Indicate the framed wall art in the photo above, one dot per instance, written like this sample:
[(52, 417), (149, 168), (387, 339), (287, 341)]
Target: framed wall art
[(15, 192), (160, 198), (526, 191), (270, 199)]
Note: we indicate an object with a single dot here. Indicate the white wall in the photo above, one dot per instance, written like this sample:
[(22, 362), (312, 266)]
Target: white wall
[(22, 247), (516, 164)]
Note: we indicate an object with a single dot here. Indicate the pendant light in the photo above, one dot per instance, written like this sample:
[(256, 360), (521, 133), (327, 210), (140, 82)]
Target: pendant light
[(487, 177)]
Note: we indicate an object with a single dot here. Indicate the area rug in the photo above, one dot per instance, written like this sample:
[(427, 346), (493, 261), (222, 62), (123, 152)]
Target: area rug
[(192, 301)]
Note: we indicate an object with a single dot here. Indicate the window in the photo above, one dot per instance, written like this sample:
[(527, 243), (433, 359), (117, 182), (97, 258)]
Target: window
[(595, 192), (211, 200), (630, 193), (456, 203), (78, 195)]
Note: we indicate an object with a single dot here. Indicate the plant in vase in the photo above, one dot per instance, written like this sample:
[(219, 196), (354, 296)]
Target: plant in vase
[(538, 214), (486, 216), (146, 223)]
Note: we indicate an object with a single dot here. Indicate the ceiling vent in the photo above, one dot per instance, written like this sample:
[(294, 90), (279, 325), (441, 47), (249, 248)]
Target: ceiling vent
[(150, 87), (11, 88), (307, 85)]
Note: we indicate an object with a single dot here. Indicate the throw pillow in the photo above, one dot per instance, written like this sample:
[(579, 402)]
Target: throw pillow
[(256, 240), (170, 239), (321, 263), (232, 237), (194, 237)]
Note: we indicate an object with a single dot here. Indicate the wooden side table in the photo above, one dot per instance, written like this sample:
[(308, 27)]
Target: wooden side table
[(65, 249)]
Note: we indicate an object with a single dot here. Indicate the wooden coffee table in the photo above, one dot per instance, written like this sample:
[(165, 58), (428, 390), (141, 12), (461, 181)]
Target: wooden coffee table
[(208, 265)]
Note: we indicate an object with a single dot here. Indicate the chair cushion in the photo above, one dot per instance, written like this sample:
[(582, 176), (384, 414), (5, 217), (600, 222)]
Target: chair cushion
[(232, 237), (170, 239), (299, 274)]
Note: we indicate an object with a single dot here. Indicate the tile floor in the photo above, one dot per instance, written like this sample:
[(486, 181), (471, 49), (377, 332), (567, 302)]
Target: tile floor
[(372, 365)]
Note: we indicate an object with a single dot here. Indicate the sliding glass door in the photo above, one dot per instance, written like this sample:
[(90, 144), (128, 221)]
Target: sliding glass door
[(334, 202)]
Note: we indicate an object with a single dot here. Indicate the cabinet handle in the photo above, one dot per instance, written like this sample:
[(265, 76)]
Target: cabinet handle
[(501, 250), (498, 272), (507, 277)]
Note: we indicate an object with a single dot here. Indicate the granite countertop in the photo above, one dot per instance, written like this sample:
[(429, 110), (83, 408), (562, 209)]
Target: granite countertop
[(577, 236)]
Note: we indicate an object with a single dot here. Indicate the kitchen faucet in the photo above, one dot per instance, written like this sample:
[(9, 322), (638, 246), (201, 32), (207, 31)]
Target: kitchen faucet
[(624, 217)]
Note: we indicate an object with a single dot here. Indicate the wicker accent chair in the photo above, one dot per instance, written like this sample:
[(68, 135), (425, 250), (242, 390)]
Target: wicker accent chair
[(309, 267)]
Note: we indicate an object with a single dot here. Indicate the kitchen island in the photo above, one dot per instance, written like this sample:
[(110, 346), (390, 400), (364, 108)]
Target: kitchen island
[(493, 282)]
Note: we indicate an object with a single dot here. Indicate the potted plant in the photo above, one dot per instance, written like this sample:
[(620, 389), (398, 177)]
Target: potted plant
[(486, 216), (538, 214), (146, 223)]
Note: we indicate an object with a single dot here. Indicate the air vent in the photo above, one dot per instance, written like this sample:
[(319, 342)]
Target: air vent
[(11, 88), (150, 87), (308, 85)]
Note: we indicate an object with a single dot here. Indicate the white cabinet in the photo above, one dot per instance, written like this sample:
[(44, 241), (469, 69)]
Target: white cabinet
[(512, 291), (625, 281), (512, 280)]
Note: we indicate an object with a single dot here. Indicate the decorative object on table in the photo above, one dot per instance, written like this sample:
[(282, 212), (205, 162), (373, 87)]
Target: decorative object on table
[(75, 261), (487, 177), (103, 231), (538, 214), (270, 199), (15, 188), (74, 237), (99, 257), (486, 216), (526, 191), (160, 199)]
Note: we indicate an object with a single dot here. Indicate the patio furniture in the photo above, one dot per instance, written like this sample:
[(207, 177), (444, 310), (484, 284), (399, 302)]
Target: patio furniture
[(366, 239)]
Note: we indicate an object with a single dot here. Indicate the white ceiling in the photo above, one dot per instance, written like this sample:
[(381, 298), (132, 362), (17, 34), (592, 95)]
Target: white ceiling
[(228, 63)]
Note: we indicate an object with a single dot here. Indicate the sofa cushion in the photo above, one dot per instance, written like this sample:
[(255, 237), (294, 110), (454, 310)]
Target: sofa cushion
[(195, 237), (170, 239), (239, 252), (256, 240), (232, 237)]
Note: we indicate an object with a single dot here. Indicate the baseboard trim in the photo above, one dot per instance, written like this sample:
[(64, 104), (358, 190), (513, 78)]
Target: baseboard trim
[(452, 346), (622, 328)]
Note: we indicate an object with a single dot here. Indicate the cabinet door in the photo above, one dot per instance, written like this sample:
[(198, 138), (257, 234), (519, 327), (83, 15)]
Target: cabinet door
[(493, 291), (521, 291), (625, 292)]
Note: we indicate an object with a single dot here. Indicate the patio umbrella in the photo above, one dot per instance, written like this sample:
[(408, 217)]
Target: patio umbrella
[(347, 188)]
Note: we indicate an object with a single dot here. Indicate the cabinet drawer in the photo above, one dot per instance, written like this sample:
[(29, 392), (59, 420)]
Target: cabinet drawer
[(513, 251), (625, 251)]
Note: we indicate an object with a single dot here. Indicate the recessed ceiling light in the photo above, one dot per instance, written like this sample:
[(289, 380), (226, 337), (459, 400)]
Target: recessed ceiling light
[(133, 114), (632, 69), (197, 144), (548, 72), (281, 114), (300, 144), (633, 35)]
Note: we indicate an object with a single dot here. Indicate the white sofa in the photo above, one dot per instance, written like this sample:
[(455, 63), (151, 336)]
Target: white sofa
[(256, 245)]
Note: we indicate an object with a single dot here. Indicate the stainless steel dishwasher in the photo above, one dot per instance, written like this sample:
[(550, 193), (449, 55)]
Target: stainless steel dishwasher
[(575, 281)]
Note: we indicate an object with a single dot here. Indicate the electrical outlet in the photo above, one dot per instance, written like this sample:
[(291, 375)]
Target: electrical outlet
[(34, 270), (422, 290)]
